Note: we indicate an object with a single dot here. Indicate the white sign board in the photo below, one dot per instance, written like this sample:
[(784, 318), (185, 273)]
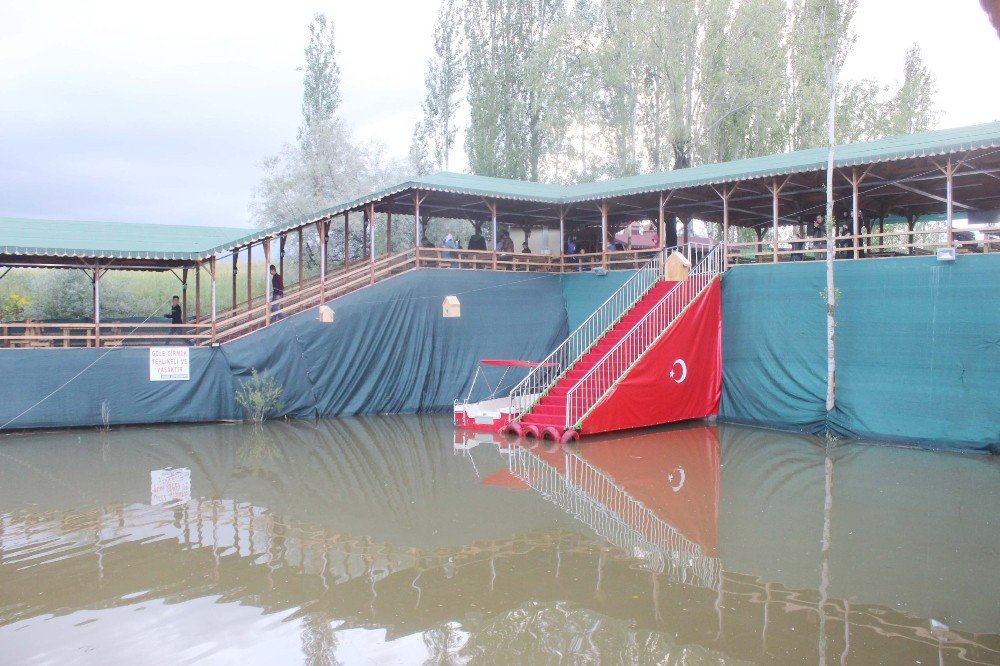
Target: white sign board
[(170, 485), (169, 364)]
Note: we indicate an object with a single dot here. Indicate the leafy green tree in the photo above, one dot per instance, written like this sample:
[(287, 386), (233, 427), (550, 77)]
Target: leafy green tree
[(434, 135)]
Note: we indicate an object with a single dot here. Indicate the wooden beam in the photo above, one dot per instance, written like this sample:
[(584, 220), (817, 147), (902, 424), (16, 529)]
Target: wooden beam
[(950, 203), (235, 255), (493, 219)]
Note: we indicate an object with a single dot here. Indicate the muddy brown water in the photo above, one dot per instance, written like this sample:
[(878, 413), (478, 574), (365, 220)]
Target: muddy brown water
[(393, 539)]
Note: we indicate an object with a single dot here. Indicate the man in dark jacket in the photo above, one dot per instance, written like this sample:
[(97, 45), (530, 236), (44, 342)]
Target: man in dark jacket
[(277, 291), (175, 316), (477, 241)]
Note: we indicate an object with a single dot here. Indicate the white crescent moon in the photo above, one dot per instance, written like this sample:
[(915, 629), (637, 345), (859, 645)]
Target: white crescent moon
[(680, 471), (684, 370)]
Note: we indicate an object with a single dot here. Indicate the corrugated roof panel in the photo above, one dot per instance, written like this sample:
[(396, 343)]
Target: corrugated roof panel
[(66, 238)]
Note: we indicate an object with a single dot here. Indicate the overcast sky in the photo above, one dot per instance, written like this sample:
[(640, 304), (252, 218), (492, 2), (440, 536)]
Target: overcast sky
[(161, 112)]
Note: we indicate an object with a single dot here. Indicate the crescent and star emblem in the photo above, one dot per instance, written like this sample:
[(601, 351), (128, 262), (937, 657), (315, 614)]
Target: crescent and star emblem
[(676, 479), (679, 371)]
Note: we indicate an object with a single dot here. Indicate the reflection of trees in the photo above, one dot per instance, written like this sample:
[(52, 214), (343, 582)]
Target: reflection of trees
[(560, 631), (319, 640)]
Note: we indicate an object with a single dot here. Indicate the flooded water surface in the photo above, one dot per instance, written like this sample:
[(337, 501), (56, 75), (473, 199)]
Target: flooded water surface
[(395, 540)]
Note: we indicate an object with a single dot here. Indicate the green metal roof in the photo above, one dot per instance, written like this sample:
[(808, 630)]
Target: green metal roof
[(151, 241), (107, 240)]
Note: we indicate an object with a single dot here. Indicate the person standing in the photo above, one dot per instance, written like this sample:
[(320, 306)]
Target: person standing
[(176, 316), (277, 292)]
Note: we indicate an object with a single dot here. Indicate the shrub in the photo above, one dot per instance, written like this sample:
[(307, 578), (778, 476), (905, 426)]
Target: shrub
[(12, 307), (260, 397)]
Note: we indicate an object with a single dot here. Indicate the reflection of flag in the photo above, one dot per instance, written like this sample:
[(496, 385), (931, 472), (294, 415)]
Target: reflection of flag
[(642, 466), (504, 479)]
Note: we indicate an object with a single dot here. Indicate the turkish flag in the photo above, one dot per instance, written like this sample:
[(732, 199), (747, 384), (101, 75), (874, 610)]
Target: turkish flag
[(678, 378)]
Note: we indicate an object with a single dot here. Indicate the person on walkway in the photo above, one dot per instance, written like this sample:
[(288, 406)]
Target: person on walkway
[(176, 316), (505, 249), (477, 241), (277, 292), (449, 244)]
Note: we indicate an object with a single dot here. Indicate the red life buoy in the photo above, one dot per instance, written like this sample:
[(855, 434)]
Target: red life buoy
[(552, 433), (531, 430)]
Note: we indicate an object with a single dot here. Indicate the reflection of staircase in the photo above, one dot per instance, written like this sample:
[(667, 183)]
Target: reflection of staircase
[(571, 385), (550, 410)]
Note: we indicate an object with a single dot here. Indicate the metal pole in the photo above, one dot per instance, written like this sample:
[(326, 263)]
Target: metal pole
[(774, 218)]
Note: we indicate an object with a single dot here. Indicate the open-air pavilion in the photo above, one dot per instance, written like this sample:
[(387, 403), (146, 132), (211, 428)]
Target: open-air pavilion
[(940, 175)]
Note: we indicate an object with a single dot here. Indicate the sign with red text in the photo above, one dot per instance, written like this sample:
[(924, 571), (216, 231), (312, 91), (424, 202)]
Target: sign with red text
[(170, 485), (169, 364)]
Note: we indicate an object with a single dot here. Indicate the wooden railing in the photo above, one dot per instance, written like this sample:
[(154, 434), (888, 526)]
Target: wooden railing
[(895, 243), (243, 318)]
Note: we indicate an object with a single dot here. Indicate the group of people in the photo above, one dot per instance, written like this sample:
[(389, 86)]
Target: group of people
[(451, 245), (817, 237)]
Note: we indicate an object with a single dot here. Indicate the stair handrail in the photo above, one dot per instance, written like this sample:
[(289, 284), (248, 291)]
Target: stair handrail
[(590, 389), (526, 392)]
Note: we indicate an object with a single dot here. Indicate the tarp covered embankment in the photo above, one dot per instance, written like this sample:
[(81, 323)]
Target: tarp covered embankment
[(917, 350), (390, 350)]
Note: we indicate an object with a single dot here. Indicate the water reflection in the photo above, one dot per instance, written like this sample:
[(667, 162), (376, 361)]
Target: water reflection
[(387, 538)]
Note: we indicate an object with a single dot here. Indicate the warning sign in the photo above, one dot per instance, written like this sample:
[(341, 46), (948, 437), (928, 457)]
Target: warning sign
[(170, 485), (169, 364)]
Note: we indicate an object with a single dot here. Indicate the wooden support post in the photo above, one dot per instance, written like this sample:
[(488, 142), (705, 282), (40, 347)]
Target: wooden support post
[(197, 293), (662, 218), (325, 239), (604, 234), (97, 304), (235, 254), (249, 277), (562, 239), (774, 218), (493, 220), (214, 303), (416, 227), (388, 233), (686, 221), (854, 209), (347, 240), (321, 227), (371, 232), (726, 193), (268, 296), (281, 255), (371, 244), (302, 252), (184, 295), (950, 203)]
